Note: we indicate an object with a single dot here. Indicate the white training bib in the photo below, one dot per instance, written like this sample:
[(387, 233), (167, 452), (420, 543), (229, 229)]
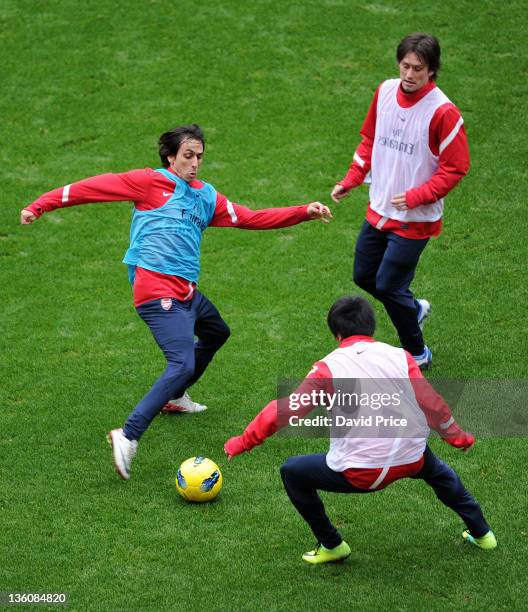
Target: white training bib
[(401, 157), (374, 369)]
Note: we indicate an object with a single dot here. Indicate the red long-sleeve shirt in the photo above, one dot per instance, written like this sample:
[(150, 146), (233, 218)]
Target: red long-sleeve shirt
[(148, 190), (447, 140)]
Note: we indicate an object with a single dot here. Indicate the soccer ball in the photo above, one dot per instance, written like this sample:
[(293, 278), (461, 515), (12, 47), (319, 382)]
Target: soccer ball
[(199, 479)]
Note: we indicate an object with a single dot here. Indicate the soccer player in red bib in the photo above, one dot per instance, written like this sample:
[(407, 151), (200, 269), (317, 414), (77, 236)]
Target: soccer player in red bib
[(414, 146), (172, 209), (376, 438)]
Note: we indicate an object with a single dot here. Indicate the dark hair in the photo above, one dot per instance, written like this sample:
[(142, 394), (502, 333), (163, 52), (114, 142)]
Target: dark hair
[(351, 315), (171, 141), (426, 47)]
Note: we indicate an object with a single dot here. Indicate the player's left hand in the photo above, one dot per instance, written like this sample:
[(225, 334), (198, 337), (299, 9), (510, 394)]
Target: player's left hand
[(399, 201), (459, 438), (467, 443), (316, 210)]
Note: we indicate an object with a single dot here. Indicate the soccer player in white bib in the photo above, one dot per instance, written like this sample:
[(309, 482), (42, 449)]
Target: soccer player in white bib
[(377, 436), (415, 148)]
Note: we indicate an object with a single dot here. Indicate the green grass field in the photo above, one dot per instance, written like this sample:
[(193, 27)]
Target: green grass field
[(281, 90)]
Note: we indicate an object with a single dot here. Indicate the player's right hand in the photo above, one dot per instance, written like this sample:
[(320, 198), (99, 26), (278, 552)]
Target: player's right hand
[(233, 447), (338, 193), (27, 217)]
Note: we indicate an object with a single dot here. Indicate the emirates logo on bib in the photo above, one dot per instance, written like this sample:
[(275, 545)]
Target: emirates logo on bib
[(166, 303)]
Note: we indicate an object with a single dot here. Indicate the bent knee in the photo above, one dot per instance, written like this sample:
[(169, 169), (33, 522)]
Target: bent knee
[(224, 334), (289, 468), (387, 286), (364, 281), (220, 336)]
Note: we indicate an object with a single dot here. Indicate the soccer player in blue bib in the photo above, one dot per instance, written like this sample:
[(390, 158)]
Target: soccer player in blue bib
[(172, 209)]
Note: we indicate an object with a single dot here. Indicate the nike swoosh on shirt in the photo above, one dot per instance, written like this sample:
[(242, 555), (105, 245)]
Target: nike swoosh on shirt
[(166, 194)]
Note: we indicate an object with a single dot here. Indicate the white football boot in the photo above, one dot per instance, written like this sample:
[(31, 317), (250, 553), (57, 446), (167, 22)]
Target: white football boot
[(424, 360), (123, 451), (183, 404), (423, 313)]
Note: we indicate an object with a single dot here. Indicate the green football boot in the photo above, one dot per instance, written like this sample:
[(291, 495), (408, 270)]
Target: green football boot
[(487, 542), (321, 554)]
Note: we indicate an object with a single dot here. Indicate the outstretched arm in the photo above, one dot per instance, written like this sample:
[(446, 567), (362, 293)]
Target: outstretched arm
[(277, 413), (128, 186), (436, 409), (229, 214)]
